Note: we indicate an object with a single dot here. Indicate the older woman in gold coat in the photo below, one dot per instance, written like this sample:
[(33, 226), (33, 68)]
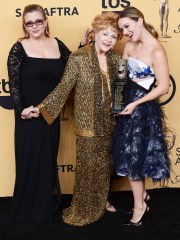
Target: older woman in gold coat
[(90, 71)]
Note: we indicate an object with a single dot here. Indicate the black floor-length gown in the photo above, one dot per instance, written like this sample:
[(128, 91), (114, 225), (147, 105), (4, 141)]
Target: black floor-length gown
[(36, 143)]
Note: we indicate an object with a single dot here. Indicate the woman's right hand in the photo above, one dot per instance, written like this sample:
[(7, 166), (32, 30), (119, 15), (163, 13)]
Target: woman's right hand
[(129, 109), (85, 38)]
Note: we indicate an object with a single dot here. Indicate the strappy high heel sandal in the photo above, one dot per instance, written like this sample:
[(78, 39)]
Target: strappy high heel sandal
[(110, 208), (140, 222), (146, 200)]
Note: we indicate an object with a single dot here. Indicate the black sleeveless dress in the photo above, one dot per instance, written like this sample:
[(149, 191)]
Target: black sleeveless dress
[(36, 143)]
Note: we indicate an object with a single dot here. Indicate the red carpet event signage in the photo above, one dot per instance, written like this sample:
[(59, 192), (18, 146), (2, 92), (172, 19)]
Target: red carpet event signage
[(60, 11), (68, 20)]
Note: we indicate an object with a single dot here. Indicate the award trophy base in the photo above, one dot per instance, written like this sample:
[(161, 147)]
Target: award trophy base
[(119, 95)]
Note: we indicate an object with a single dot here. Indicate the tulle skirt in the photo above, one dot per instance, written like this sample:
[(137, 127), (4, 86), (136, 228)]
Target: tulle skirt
[(139, 148)]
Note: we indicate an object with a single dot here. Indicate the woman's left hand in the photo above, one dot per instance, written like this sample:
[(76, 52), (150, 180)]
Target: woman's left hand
[(129, 109), (30, 112)]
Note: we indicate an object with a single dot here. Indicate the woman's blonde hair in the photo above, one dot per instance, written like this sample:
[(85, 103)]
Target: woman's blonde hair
[(29, 9), (134, 14), (104, 21)]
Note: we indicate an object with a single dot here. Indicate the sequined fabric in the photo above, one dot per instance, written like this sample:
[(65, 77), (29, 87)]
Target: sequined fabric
[(93, 126), (93, 171), (80, 74), (93, 165)]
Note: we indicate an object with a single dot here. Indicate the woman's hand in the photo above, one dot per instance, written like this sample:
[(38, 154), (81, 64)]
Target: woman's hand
[(30, 112), (129, 109), (85, 38)]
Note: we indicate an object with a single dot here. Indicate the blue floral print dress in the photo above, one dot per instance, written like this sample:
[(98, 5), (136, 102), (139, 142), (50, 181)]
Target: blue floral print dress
[(139, 148)]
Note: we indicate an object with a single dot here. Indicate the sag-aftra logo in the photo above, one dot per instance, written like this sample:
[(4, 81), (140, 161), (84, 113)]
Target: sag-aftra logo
[(58, 11)]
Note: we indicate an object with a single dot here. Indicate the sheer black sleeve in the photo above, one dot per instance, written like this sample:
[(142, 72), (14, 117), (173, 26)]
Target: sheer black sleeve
[(65, 52), (14, 63)]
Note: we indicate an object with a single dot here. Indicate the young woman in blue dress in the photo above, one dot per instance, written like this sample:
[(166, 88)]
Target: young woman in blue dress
[(139, 147)]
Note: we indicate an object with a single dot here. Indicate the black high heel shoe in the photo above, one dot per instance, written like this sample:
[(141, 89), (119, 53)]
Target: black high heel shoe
[(140, 222), (146, 200)]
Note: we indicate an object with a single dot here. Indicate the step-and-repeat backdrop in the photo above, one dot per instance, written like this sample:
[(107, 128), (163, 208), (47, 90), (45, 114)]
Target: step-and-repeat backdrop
[(68, 19)]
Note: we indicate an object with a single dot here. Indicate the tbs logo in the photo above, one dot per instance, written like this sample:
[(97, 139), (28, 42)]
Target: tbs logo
[(5, 101), (115, 4)]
